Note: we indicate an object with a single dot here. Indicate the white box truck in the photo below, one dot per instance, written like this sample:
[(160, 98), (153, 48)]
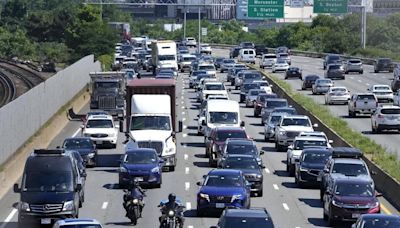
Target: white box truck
[(164, 54)]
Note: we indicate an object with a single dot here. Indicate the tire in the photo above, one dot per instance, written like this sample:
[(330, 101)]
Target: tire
[(222, 71), (373, 129), (376, 71), (331, 220), (361, 72), (325, 217), (236, 87), (291, 170), (260, 193)]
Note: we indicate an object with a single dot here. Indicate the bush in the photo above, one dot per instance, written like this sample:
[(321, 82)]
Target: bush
[(106, 61)]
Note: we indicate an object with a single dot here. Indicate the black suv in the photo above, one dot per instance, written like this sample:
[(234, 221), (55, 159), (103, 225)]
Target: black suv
[(51, 188), (234, 52), (249, 166), (244, 218), (331, 59), (260, 49), (383, 64)]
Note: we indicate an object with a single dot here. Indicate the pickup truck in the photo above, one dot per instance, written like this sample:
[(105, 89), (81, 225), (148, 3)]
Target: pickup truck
[(289, 128), (362, 103)]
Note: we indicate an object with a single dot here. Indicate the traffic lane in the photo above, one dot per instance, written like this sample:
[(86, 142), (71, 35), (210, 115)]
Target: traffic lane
[(360, 124)]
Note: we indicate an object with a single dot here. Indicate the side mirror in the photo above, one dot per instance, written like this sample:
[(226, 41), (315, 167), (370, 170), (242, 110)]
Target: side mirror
[(58, 147), (315, 125), (16, 188), (203, 122), (198, 183), (78, 187), (242, 124), (204, 176), (262, 152)]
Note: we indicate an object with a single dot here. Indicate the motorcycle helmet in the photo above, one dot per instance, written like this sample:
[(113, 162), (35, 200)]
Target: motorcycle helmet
[(171, 197)]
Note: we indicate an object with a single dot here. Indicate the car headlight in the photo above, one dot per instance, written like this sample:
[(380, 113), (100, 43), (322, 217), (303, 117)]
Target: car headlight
[(282, 132), (259, 176), (155, 170), (336, 203), (91, 155), (205, 196), (303, 169), (374, 204), (68, 206), (123, 169), (112, 134), (24, 206), (236, 197), (135, 201)]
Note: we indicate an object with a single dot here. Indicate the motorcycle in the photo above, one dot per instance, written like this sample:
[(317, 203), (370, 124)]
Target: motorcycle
[(133, 204), (171, 220)]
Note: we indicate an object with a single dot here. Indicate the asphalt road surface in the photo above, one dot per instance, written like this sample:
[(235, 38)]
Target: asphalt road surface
[(289, 206)]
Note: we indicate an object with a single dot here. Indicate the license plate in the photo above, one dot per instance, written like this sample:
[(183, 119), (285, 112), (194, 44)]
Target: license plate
[(45, 221), (319, 178), (99, 142), (139, 178), (355, 215), (220, 205)]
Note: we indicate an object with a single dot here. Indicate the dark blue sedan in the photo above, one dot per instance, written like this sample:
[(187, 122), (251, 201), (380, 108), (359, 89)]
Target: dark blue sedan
[(142, 165), (85, 146), (223, 188)]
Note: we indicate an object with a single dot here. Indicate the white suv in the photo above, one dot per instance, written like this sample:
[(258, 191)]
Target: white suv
[(386, 118), (76, 222), (101, 129)]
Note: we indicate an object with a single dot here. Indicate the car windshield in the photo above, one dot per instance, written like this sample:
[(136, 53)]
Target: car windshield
[(381, 222), (141, 157), (366, 97), (199, 77), (77, 144), (353, 189), (106, 85), (99, 124), (266, 96), (150, 123), (390, 111), (301, 144), (166, 57), (241, 163), (316, 158), (249, 86), (324, 81), (263, 83), (385, 61), (48, 181), (342, 90), (274, 104), (223, 181), (247, 222), (224, 117), (214, 87), (296, 122), (382, 88), (198, 72), (207, 67), (241, 149), (226, 61), (189, 59), (255, 92), (275, 119), (290, 111), (333, 58), (349, 169), (311, 78), (269, 56), (248, 76), (223, 135), (294, 69)]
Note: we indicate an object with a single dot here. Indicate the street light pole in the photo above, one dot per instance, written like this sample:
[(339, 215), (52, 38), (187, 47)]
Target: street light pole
[(198, 46), (364, 27), (184, 24)]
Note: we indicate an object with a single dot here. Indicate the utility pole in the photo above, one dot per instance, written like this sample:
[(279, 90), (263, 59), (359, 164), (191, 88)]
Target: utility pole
[(364, 27), (198, 46), (184, 23)]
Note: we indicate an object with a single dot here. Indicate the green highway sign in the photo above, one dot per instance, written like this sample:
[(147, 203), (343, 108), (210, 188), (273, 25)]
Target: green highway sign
[(265, 8), (330, 6)]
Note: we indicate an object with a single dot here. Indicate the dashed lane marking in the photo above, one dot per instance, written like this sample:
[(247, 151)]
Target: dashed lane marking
[(104, 206), (190, 227), (367, 84), (184, 127), (184, 135), (359, 80), (285, 206), (275, 186), (183, 119), (267, 171), (76, 132), (352, 77), (187, 170), (183, 113), (188, 206), (185, 157), (187, 186)]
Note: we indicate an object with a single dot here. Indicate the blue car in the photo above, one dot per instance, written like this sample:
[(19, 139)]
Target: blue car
[(142, 165), (85, 146), (223, 188)]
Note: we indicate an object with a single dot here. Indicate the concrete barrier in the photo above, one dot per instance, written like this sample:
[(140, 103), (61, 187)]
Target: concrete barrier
[(385, 184)]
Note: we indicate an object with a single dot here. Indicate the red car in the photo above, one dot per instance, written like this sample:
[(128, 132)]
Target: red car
[(216, 140)]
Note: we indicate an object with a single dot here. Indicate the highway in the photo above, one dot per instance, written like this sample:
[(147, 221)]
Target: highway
[(289, 206)]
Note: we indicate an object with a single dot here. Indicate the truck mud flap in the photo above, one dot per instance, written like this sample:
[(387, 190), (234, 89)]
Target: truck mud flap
[(73, 116)]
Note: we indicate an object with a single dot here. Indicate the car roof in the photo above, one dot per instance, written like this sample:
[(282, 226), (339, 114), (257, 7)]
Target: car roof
[(229, 128), (99, 117), (351, 180), (310, 138), (248, 213), (78, 138), (348, 161), (224, 171), (240, 141), (379, 216), (297, 117), (76, 221)]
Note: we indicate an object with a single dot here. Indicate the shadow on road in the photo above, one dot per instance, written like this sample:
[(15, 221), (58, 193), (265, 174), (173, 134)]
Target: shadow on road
[(192, 144), (201, 164), (312, 202)]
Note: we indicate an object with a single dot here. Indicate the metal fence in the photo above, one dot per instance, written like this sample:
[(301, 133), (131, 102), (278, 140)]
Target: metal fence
[(23, 117)]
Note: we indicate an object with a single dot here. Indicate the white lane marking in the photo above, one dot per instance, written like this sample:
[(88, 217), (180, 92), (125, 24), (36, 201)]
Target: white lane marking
[(187, 170), (275, 186), (9, 217), (183, 102), (104, 206), (285, 206), (185, 157), (182, 107), (190, 227), (267, 171), (183, 113), (183, 119), (188, 206), (184, 126), (359, 81), (184, 135), (367, 84), (352, 77), (76, 132), (187, 186)]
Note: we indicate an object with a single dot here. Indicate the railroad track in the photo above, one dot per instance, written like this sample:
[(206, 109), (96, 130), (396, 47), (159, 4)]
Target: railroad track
[(8, 89), (15, 80)]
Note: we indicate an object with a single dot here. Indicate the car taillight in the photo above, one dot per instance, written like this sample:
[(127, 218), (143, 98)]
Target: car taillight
[(380, 116), (331, 94)]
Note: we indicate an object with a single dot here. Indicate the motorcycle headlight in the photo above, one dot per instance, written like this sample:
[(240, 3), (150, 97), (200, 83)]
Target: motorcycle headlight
[(68, 206), (236, 197), (24, 206), (155, 170), (205, 196), (171, 213), (135, 201)]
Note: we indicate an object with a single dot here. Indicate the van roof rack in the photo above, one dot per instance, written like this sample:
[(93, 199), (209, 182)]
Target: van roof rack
[(48, 151), (346, 152)]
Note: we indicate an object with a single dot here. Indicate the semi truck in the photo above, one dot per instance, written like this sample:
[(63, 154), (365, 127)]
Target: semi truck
[(163, 54), (107, 92), (151, 117)]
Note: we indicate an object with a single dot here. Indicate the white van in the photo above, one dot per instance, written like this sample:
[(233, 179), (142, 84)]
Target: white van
[(247, 55), (221, 113), (267, 60)]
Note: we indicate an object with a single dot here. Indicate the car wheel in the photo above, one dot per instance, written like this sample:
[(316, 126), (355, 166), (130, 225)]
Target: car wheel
[(351, 114), (361, 72), (376, 71), (273, 71), (260, 193), (373, 128), (291, 170), (331, 220), (324, 215)]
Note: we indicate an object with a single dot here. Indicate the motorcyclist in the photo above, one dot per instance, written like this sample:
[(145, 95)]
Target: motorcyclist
[(134, 191), (172, 204)]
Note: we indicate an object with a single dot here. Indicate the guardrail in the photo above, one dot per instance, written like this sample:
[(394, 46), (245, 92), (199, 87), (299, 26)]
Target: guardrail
[(385, 184), (367, 61)]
